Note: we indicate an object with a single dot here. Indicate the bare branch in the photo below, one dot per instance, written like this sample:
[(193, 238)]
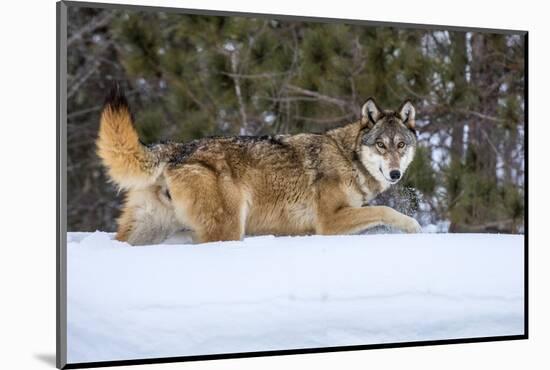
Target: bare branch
[(481, 115), (339, 102), (88, 72), (82, 112), (96, 22), (288, 99), (256, 76), (326, 120)]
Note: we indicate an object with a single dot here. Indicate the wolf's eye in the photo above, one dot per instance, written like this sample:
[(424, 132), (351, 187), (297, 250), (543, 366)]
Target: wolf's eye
[(380, 145), (401, 145)]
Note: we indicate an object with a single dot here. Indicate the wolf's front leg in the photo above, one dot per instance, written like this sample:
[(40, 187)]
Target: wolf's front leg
[(351, 220)]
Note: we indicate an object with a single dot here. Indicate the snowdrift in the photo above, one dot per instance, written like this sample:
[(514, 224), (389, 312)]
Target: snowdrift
[(268, 293)]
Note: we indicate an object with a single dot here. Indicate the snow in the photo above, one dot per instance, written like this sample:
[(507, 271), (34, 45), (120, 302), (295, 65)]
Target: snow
[(273, 293)]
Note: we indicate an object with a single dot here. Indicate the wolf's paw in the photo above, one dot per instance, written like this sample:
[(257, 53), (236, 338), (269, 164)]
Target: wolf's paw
[(411, 226), (400, 221)]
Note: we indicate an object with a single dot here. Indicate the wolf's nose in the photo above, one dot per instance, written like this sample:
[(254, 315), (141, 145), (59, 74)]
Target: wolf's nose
[(395, 174)]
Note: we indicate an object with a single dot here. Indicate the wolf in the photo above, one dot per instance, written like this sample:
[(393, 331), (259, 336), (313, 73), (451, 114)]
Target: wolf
[(222, 188)]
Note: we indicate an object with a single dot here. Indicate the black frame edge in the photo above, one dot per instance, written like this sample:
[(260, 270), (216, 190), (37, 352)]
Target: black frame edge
[(526, 186), (223, 356)]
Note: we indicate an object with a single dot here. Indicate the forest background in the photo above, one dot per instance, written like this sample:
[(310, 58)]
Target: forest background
[(189, 76)]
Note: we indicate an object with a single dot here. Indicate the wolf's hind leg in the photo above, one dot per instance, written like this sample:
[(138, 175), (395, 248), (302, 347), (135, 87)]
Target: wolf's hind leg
[(140, 228), (146, 220), (210, 203)]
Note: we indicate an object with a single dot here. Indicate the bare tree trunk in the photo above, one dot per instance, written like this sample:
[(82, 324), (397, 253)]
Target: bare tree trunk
[(237, 83), (459, 62), (483, 77)]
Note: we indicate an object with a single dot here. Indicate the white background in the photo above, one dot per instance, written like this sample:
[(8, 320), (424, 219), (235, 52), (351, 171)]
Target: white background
[(27, 120)]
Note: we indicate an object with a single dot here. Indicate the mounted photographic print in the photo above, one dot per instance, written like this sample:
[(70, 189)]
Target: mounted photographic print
[(234, 184)]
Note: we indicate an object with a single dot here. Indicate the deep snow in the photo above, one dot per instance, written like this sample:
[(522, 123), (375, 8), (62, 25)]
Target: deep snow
[(268, 293)]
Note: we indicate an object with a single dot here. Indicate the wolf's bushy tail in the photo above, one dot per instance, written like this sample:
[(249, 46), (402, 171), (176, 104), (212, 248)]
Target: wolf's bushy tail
[(130, 164)]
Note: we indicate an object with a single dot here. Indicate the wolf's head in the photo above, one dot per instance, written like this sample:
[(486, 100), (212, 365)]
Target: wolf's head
[(388, 143)]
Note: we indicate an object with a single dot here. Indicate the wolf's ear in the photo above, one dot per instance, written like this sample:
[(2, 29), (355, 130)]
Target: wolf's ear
[(407, 113), (370, 112)]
